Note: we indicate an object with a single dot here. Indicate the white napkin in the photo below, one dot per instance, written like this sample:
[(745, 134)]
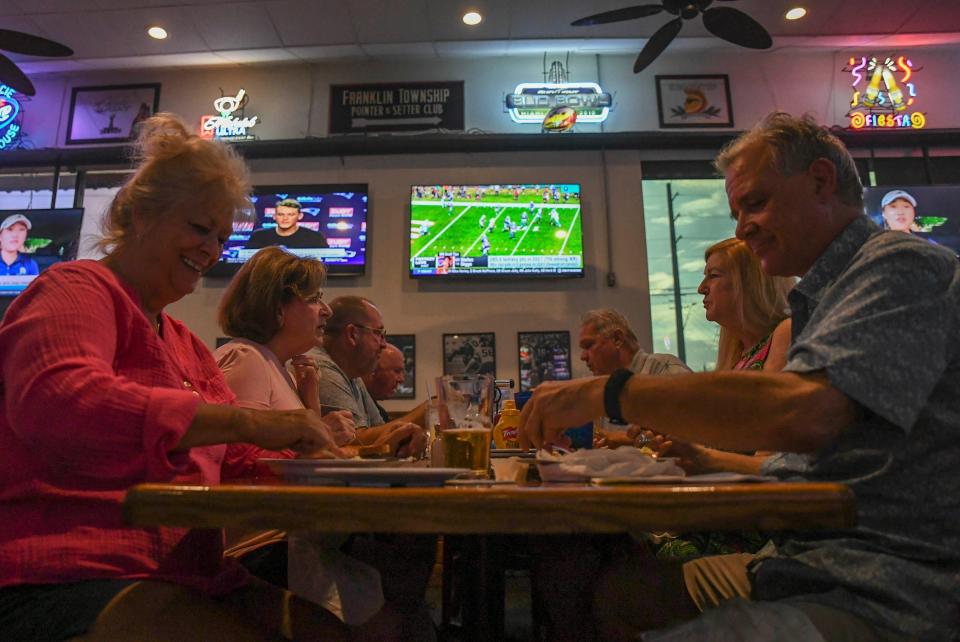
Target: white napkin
[(603, 462), (318, 571)]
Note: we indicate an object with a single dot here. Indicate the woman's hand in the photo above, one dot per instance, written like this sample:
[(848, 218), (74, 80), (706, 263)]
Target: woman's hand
[(303, 431), (612, 439), (341, 426), (556, 406), (691, 457), (308, 381)]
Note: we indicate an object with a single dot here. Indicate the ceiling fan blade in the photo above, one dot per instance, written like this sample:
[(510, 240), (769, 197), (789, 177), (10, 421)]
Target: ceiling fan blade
[(657, 43), (11, 76), (24, 43), (737, 27), (618, 15)]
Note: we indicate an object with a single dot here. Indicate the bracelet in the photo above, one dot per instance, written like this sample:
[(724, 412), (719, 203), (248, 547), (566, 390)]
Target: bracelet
[(611, 394)]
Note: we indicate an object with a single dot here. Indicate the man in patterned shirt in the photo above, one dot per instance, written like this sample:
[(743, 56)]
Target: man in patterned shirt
[(871, 392)]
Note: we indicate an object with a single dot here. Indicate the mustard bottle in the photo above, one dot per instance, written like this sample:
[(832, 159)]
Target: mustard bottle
[(506, 434)]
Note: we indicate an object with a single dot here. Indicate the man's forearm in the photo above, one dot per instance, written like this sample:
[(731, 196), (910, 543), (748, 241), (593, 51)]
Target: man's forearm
[(416, 416), (740, 410)]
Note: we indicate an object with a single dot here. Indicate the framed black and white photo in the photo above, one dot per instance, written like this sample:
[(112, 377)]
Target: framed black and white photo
[(470, 354), (407, 344), (694, 101), (544, 356), (110, 114)]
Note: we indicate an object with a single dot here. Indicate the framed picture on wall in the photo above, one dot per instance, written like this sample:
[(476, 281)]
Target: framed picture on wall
[(544, 356), (407, 344), (110, 114), (470, 354), (694, 101)]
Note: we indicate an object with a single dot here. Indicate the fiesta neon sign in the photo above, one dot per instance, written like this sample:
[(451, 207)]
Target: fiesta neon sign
[(9, 110), (531, 101), (226, 125), (880, 100)]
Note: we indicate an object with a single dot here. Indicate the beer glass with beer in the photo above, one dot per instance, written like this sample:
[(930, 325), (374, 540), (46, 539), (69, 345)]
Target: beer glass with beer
[(465, 405)]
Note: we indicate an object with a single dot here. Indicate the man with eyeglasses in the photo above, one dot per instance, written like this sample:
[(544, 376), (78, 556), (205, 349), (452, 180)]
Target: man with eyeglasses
[(352, 342)]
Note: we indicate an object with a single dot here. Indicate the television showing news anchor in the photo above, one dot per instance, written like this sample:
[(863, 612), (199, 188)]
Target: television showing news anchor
[(287, 231), (325, 222)]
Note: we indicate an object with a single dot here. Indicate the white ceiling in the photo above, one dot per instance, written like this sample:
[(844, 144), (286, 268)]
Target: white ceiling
[(110, 34)]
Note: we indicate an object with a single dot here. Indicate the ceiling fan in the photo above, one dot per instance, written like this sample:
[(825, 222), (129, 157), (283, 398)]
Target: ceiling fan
[(730, 24), (24, 43)]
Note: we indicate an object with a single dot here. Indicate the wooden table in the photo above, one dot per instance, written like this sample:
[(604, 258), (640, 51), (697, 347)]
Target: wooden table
[(535, 509), (494, 511)]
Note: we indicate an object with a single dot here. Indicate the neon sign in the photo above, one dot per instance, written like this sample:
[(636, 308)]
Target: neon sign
[(225, 125), (9, 112), (880, 99), (530, 102)]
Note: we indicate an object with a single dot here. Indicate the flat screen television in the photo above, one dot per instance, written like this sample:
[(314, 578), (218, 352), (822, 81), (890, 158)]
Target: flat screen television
[(327, 222), (33, 240), (495, 231), (928, 211)]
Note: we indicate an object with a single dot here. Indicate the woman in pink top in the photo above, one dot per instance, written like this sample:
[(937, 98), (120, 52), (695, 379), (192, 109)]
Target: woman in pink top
[(274, 310), (101, 390)]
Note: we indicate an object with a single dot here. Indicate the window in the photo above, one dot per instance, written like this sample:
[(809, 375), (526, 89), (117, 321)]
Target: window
[(701, 218)]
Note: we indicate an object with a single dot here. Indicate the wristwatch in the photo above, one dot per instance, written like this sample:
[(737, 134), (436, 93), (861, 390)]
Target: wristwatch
[(611, 395)]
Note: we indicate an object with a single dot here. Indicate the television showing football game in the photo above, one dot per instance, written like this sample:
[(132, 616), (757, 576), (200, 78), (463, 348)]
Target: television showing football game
[(927, 211), (491, 230), (33, 240), (326, 222)]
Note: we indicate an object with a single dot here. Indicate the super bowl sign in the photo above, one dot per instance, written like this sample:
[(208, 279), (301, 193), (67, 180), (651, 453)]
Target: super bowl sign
[(530, 102), (9, 110)]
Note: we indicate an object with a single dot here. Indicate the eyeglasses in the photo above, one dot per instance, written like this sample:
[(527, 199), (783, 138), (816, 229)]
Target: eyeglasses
[(380, 332), (316, 299)]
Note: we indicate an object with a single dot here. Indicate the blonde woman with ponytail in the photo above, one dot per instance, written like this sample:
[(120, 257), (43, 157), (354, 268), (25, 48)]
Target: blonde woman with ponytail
[(751, 309), (101, 389)]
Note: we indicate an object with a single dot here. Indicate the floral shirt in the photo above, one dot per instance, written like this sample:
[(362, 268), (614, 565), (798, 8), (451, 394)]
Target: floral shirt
[(755, 357)]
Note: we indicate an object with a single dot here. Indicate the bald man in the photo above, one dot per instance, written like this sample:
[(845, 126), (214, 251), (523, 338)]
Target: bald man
[(389, 373)]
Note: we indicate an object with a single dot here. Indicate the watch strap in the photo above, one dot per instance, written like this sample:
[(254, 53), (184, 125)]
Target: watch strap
[(611, 394)]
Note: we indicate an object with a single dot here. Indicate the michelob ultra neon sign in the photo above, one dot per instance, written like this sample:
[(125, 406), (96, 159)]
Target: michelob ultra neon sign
[(884, 93), (225, 125), (531, 101)]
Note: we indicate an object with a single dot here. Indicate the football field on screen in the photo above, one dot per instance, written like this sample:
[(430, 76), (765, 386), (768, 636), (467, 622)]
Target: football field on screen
[(459, 229)]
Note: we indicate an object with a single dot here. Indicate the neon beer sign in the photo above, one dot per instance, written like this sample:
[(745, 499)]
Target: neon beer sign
[(884, 93), (225, 125)]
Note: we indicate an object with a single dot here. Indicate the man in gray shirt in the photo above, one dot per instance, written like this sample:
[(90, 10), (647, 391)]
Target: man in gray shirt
[(871, 391), (353, 339), (607, 342)]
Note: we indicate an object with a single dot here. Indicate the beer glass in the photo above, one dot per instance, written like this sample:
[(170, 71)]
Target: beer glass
[(465, 408)]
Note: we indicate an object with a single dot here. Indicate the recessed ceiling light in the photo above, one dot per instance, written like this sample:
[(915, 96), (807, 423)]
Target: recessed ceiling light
[(159, 33), (796, 13), (472, 18)]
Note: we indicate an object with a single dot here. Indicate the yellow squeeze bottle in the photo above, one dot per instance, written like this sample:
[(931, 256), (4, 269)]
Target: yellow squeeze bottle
[(506, 434)]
